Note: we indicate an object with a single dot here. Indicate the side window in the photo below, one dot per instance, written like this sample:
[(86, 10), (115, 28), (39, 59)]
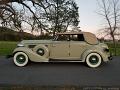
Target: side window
[(78, 37), (81, 37), (63, 38)]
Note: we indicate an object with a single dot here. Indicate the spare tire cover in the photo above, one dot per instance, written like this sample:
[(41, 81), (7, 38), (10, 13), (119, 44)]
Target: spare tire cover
[(41, 50)]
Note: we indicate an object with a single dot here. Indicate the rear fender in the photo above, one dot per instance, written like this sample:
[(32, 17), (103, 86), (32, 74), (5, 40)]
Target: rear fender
[(32, 55), (87, 52)]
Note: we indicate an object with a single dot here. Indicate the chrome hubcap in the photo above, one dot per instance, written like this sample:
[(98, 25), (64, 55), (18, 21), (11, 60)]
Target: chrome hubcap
[(94, 59), (20, 59), (40, 51)]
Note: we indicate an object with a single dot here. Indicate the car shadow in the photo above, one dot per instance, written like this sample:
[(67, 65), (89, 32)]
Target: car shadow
[(57, 64)]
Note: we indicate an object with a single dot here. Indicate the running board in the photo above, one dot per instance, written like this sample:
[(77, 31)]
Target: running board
[(58, 60)]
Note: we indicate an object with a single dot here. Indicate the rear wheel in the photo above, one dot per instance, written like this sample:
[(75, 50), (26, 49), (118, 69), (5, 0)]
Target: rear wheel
[(20, 59), (93, 60)]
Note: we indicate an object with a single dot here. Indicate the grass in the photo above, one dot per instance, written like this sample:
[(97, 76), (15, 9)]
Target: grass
[(111, 46), (6, 47)]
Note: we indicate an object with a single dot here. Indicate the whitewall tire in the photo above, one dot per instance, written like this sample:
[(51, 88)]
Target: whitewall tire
[(20, 59), (93, 60)]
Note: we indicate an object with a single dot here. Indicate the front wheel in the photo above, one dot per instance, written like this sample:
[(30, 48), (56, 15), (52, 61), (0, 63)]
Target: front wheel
[(93, 60), (20, 59)]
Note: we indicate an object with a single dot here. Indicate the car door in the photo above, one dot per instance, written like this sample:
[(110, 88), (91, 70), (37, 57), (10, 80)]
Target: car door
[(77, 46), (60, 50)]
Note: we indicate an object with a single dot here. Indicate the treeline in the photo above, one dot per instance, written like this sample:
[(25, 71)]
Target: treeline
[(7, 34)]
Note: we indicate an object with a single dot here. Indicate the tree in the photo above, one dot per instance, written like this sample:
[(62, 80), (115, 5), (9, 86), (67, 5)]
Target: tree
[(62, 14), (8, 12), (48, 15), (110, 11)]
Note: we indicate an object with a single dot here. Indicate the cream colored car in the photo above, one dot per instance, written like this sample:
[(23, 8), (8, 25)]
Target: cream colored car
[(66, 47)]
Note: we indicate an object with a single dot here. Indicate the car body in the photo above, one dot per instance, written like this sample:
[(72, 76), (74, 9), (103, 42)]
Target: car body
[(66, 47)]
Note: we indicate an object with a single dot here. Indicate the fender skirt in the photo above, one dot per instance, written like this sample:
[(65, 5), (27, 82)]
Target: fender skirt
[(32, 55)]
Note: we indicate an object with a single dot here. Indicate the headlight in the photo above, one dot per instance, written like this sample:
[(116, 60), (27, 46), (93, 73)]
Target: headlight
[(20, 45)]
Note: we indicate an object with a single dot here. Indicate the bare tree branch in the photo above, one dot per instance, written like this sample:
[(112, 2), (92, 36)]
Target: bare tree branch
[(110, 11)]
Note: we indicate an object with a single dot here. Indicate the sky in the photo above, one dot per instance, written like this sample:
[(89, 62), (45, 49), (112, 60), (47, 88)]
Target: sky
[(89, 19)]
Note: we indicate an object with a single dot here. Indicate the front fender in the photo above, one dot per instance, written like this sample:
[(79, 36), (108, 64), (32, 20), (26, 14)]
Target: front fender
[(32, 55)]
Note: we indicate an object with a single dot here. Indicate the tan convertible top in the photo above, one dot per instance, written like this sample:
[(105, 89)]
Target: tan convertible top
[(89, 37), (70, 33)]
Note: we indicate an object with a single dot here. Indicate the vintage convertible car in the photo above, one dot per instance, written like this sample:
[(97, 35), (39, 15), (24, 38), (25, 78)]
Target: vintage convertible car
[(65, 47)]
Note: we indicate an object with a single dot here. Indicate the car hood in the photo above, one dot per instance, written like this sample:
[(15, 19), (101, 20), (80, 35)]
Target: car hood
[(36, 41)]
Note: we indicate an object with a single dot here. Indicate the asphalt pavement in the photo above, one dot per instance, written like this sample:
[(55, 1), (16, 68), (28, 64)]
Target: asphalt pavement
[(108, 74)]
